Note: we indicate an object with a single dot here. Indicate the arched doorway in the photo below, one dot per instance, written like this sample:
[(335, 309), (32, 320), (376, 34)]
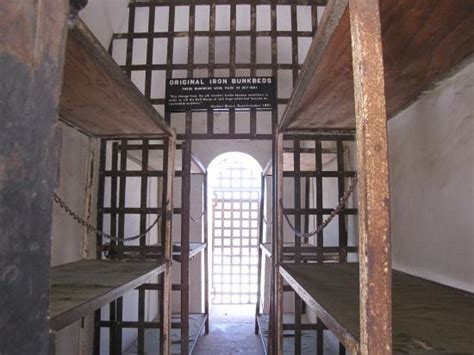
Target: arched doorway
[(234, 192)]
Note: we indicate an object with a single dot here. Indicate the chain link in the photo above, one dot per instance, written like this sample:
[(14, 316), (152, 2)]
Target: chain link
[(334, 212), (199, 219), (91, 228), (268, 223)]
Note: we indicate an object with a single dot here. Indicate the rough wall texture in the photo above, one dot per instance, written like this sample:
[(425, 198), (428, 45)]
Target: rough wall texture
[(104, 17), (31, 60), (77, 162), (431, 147)]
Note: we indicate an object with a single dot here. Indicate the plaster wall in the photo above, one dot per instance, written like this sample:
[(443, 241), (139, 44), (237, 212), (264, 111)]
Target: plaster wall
[(76, 178), (431, 146), (104, 17)]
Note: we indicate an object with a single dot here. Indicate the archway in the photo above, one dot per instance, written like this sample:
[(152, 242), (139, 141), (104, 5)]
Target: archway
[(234, 192)]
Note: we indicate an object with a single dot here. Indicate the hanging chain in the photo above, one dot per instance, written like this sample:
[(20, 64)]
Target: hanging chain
[(91, 228), (334, 212), (265, 220), (198, 219)]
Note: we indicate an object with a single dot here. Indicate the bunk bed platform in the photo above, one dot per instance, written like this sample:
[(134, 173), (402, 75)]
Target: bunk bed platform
[(308, 252), (98, 98), (426, 316), (194, 249), (308, 337), (424, 41), (81, 287)]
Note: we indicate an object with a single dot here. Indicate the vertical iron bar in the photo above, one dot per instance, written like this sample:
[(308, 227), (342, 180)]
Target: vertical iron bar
[(341, 189), (278, 245), (166, 243), (169, 51), (149, 50), (297, 253), (319, 201), (131, 30), (206, 251), (260, 241), (374, 196), (319, 338), (144, 196), (185, 230), (211, 59), (232, 58)]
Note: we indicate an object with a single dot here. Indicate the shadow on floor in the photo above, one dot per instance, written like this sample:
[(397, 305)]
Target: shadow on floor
[(231, 332)]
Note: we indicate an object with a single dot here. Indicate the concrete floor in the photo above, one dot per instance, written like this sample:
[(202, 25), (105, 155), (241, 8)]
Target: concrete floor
[(231, 332)]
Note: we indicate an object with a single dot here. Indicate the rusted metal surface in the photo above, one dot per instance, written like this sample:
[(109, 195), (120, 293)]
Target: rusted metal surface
[(32, 40), (374, 196), (206, 251), (277, 252), (185, 238), (165, 331)]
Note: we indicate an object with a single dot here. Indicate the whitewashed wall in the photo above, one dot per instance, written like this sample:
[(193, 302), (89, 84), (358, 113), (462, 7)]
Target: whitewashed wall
[(431, 147)]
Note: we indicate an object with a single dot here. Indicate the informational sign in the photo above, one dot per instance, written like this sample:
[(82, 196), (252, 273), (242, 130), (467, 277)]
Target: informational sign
[(204, 94)]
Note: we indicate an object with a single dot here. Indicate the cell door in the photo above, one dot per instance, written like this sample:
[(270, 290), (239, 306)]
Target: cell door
[(234, 236)]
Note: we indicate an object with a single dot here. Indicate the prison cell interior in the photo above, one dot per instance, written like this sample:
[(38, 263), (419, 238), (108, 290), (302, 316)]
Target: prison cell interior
[(97, 99)]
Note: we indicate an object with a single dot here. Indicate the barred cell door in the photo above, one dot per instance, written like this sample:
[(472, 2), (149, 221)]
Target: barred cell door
[(236, 194)]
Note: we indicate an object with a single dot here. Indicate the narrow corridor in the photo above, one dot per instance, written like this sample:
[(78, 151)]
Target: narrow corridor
[(231, 332)]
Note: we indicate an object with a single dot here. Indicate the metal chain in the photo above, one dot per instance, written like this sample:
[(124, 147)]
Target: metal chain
[(328, 220), (265, 220), (91, 228), (199, 219)]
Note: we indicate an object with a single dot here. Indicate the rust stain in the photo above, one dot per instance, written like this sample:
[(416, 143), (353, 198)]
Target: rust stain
[(375, 268)]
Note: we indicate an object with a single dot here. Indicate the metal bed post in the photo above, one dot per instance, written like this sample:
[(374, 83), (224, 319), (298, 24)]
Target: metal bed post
[(374, 197), (206, 250), (185, 238), (168, 182), (260, 241), (277, 251)]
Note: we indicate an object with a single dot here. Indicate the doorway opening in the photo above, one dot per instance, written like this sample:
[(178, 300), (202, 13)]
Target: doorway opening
[(234, 195)]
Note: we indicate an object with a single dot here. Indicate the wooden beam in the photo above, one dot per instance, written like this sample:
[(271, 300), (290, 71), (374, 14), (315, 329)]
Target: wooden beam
[(424, 42), (98, 98), (374, 197), (32, 40)]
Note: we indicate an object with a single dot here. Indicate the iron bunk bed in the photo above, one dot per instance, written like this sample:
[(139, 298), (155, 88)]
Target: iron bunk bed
[(187, 326), (436, 39), (98, 100), (307, 161)]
